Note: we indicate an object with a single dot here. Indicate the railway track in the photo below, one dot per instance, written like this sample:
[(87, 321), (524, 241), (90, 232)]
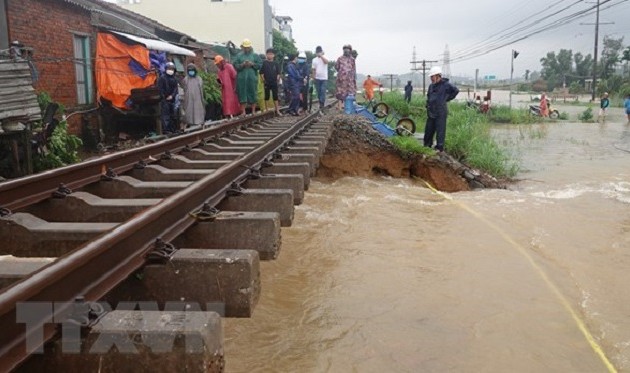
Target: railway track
[(80, 234)]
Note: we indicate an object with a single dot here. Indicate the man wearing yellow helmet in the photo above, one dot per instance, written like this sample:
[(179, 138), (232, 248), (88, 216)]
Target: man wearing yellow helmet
[(247, 64)]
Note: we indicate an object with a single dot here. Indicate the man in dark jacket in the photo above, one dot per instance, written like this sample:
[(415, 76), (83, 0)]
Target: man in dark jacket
[(440, 92), (295, 80), (167, 84), (408, 90), (305, 72)]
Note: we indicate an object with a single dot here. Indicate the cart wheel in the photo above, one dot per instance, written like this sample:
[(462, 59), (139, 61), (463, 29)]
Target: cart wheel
[(405, 127), (554, 114), (380, 110)]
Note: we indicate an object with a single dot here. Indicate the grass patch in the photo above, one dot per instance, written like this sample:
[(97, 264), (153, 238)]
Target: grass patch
[(468, 139), (411, 145), (503, 114)]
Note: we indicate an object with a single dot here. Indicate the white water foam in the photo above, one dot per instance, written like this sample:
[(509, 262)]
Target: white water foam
[(617, 190)]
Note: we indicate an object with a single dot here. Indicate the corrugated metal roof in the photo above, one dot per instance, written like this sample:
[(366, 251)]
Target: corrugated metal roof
[(103, 7), (158, 45), (17, 95)]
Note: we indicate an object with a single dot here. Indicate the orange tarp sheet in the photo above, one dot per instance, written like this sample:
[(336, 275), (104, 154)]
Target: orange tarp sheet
[(114, 77)]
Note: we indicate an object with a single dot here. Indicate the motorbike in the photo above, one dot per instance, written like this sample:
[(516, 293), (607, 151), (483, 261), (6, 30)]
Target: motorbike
[(535, 111)]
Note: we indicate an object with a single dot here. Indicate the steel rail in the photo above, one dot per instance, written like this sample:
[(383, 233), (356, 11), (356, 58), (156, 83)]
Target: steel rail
[(95, 268), (19, 193)]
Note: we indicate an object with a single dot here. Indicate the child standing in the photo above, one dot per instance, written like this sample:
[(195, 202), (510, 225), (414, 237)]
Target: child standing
[(603, 106), (271, 74)]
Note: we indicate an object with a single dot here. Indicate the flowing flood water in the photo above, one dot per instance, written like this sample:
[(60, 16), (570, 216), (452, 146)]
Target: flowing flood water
[(384, 275)]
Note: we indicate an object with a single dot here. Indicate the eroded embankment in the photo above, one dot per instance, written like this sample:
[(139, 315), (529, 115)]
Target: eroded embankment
[(355, 149)]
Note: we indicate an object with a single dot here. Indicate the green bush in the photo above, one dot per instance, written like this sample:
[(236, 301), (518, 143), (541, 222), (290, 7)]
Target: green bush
[(564, 116), (586, 115), (61, 150), (211, 88)]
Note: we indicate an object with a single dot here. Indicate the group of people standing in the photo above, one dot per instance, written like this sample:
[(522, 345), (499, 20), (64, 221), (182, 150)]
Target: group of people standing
[(193, 99), (239, 82)]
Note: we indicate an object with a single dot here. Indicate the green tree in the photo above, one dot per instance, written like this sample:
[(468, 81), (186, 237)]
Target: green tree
[(282, 46), (626, 57), (583, 66), (556, 69), (610, 56)]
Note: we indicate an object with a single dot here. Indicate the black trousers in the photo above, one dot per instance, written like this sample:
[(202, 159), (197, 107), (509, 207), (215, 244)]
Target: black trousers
[(168, 116), (434, 125)]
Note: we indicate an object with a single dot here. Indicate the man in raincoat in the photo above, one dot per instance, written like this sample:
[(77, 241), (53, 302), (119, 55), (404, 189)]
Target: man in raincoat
[(247, 64), (369, 84), (194, 106)]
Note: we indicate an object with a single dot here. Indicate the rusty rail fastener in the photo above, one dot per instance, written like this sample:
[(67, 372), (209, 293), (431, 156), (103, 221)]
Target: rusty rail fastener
[(4, 212), (207, 213), (162, 252), (254, 174), (62, 191), (266, 163), (235, 190), (85, 314), (140, 165), (109, 175), (166, 155)]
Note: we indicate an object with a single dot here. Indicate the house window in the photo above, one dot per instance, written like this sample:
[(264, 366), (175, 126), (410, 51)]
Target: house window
[(83, 66)]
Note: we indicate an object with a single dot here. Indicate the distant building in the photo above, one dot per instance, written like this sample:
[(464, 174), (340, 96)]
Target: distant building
[(212, 21), (283, 24)]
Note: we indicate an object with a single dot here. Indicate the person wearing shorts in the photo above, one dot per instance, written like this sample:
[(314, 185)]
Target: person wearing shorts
[(271, 74), (603, 106)]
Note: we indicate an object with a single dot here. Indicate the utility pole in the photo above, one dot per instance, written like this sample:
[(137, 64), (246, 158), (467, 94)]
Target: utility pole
[(514, 55), (476, 79), (391, 81), (424, 71), (594, 84), (597, 23)]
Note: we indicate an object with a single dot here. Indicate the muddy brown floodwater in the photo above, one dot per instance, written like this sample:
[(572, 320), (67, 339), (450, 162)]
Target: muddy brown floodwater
[(384, 275)]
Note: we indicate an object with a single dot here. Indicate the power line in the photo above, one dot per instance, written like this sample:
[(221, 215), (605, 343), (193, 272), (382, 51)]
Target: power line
[(490, 43), (558, 23), (498, 33)]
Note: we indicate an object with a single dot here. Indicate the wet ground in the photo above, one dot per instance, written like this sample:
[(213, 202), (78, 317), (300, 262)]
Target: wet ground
[(385, 275)]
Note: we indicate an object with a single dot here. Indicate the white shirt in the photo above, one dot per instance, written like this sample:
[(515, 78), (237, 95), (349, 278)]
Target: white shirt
[(321, 69)]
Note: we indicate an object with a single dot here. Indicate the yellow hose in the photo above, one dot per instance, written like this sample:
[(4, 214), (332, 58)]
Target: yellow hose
[(554, 289)]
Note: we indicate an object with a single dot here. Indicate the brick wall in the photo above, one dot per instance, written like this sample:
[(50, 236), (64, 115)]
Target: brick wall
[(47, 27)]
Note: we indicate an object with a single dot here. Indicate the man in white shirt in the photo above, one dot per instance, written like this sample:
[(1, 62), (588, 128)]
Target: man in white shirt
[(320, 75)]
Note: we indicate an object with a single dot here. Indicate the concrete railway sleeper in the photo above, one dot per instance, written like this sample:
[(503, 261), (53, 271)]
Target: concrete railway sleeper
[(145, 250)]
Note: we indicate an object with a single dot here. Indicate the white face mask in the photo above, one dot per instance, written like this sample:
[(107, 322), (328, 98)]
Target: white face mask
[(170, 72)]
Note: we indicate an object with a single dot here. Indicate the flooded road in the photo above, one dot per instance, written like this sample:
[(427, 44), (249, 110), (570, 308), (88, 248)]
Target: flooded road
[(384, 275)]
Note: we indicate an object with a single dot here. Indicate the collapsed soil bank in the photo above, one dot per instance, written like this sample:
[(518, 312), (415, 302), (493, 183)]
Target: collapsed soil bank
[(355, 149)]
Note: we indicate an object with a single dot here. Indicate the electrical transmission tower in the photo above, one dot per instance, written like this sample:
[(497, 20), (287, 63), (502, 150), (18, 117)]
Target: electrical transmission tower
[(446, 66)]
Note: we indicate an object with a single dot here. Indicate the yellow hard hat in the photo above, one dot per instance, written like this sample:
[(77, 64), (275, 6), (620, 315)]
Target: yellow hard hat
[(246, 43)]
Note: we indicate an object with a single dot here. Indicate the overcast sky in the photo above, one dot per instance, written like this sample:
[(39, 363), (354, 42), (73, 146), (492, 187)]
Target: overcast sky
[(385, 32)]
